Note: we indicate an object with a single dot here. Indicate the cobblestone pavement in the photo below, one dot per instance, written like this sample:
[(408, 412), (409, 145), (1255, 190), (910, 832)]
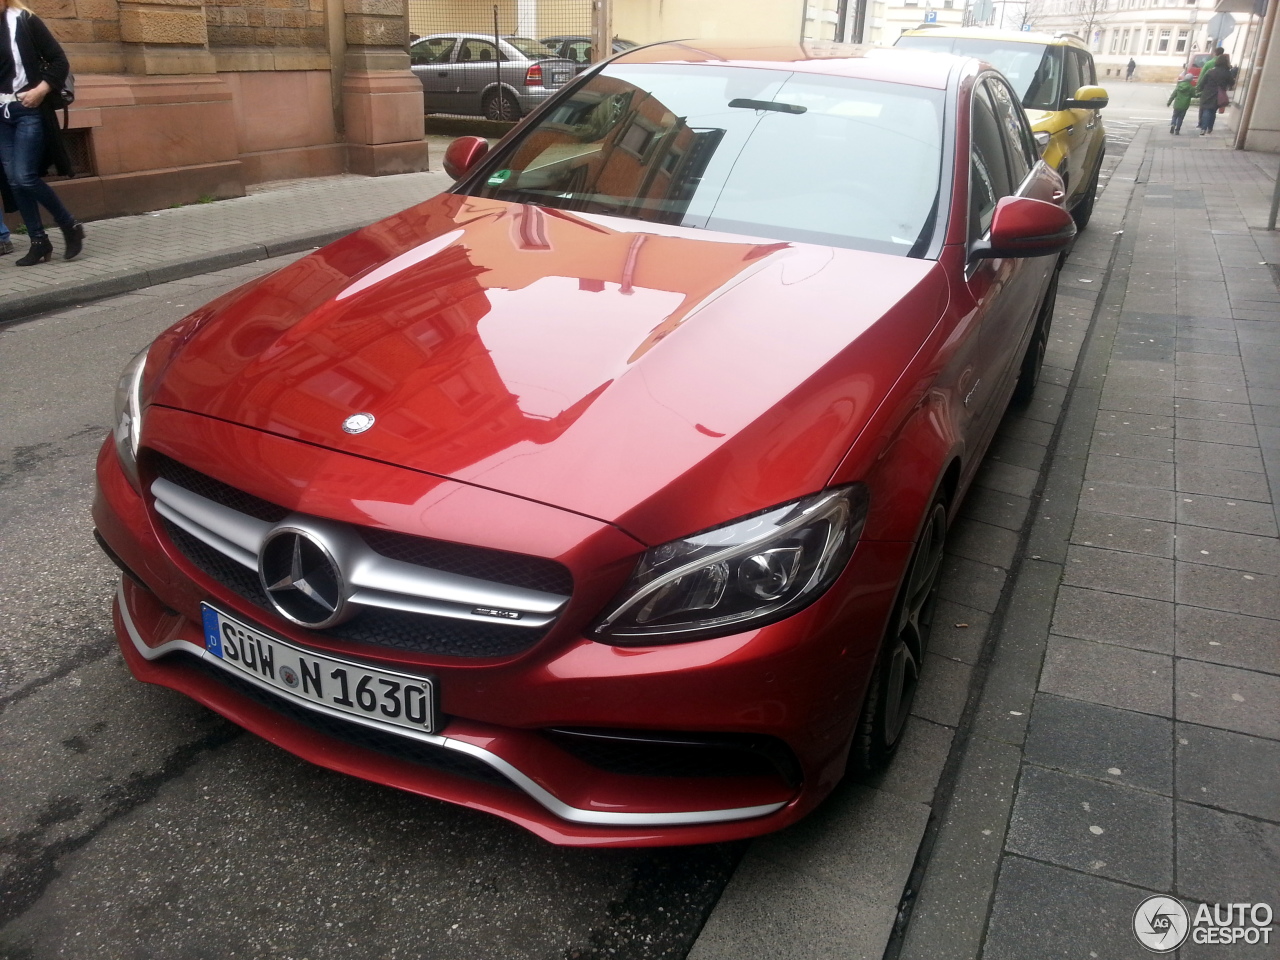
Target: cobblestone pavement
[(1125, 739)]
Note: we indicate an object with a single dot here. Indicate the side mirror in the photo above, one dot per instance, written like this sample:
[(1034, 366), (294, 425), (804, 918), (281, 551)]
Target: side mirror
[(463, 154), (1088, 98), (1023, 227)]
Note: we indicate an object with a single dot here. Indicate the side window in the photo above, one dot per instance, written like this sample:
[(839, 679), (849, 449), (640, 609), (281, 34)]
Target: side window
[(477, 51), (579, 52), (1088, 72), (1071, 81), (1020, 144), (988, 168), (432, 50)]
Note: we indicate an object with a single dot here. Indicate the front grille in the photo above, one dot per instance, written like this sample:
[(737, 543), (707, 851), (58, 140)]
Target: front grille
[(216, 490), (402, 748), (379, 627)]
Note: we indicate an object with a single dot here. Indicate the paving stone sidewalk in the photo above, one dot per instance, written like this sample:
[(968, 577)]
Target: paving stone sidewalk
[(1126, 740), (128, 253)]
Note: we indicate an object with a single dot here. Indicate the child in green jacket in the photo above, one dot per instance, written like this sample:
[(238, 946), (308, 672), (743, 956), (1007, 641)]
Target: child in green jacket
[(1181, 100)]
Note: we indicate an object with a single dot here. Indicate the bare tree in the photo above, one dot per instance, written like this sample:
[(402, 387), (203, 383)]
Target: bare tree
[(1020, 14), (1089, 15)]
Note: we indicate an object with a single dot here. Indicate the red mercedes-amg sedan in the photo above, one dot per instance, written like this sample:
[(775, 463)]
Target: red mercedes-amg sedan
[(606, 492)]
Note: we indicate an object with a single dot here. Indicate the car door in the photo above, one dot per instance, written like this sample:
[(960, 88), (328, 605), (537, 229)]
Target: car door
[(477, 65), (1007, 328), (1094, 136), (998, 286), (430, 59), (1081, 129)]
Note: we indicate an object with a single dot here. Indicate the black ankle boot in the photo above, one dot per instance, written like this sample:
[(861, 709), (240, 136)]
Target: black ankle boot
[(74, 236), (41, 251)]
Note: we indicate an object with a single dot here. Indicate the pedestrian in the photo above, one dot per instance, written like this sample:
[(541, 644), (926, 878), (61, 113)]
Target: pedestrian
[(1183, 91), (32, 66), (1213, 87), (1128, 71)]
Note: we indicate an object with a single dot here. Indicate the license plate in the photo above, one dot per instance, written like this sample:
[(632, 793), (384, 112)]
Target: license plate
[(386, 698), (559, 76)]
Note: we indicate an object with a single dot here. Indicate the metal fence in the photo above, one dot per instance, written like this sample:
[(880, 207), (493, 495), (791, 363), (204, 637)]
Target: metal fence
[(498, 60), (531, 19)]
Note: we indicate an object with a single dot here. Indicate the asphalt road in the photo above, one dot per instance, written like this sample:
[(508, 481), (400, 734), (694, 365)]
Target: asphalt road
[(136, 824)]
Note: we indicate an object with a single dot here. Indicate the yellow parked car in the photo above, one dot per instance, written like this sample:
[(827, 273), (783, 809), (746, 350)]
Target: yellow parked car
[(1056, 79)]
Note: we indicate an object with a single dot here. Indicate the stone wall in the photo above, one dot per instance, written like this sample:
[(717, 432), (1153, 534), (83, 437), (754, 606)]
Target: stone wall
[(179, 100)]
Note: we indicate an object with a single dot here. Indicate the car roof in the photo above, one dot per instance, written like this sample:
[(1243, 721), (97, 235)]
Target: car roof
[(916, 68), (1014, 36)]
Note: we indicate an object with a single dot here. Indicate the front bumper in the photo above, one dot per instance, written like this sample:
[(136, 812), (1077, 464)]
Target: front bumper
[(800, 681)]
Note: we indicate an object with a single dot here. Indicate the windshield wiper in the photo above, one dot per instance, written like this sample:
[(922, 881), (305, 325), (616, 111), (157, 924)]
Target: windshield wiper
[(773, 105)]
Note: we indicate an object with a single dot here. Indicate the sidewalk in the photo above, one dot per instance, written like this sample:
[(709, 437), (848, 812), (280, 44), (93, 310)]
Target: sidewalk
[(128, 253), (1126, 740)]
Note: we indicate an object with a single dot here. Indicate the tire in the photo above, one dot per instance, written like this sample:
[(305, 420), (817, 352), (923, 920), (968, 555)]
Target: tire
[(897, 671), (1083, 211), (1033, 359), (500, 105)]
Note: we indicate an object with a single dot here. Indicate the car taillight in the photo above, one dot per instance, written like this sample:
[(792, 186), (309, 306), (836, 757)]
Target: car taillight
[(533, 78)]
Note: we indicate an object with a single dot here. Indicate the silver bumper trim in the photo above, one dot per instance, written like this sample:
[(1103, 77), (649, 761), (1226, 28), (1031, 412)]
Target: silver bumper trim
[(527, 784)]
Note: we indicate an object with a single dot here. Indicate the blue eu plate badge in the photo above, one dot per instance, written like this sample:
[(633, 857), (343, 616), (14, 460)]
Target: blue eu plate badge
[(212, 632)]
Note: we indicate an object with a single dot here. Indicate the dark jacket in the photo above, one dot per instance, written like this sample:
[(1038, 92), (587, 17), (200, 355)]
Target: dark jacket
[(1211, 81), (42, 59)]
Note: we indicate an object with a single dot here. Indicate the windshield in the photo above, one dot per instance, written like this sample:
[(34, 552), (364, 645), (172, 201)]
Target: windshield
[(1034, 69), (530, 48), (767, 153)]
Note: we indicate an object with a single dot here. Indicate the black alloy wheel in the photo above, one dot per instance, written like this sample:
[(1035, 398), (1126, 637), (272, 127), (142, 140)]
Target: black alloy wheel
[(897, 670), (500, 105), (1033, 359)]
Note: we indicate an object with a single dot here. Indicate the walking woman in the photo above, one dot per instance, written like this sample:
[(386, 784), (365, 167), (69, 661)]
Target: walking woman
[(32, 65), (1213, 87)]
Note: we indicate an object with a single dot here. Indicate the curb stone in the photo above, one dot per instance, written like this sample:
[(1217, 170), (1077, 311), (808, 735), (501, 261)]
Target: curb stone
[(125, 281)]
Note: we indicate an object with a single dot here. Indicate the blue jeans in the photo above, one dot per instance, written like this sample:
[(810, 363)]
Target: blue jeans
[(1207, 113), (21, 148)]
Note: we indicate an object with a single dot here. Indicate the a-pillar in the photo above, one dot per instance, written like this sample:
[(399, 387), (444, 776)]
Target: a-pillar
[(382, 103)]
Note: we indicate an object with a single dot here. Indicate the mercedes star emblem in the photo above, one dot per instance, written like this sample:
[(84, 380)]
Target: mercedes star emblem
[(358, 422), (302, 580)]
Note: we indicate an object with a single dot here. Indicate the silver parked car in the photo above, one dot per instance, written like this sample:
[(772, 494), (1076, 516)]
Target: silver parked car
[(468, 73)]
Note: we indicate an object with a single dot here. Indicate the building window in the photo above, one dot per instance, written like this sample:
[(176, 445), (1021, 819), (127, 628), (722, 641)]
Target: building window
[(1115, 41), (1151, 36), (1182, 42), (948, 4), (1163, 46)]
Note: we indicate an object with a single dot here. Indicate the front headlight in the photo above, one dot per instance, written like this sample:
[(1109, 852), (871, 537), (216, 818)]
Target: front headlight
[(741, 575), (1042, 139), (128, 428)]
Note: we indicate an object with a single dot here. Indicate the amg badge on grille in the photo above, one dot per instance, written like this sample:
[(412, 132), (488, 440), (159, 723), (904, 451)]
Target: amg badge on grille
[(358, 422)]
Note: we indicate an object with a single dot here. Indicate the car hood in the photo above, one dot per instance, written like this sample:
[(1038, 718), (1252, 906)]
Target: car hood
[(660, 378)]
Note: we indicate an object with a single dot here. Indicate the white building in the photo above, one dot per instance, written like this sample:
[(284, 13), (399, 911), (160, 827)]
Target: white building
[(886, 19), (1161, 36)]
